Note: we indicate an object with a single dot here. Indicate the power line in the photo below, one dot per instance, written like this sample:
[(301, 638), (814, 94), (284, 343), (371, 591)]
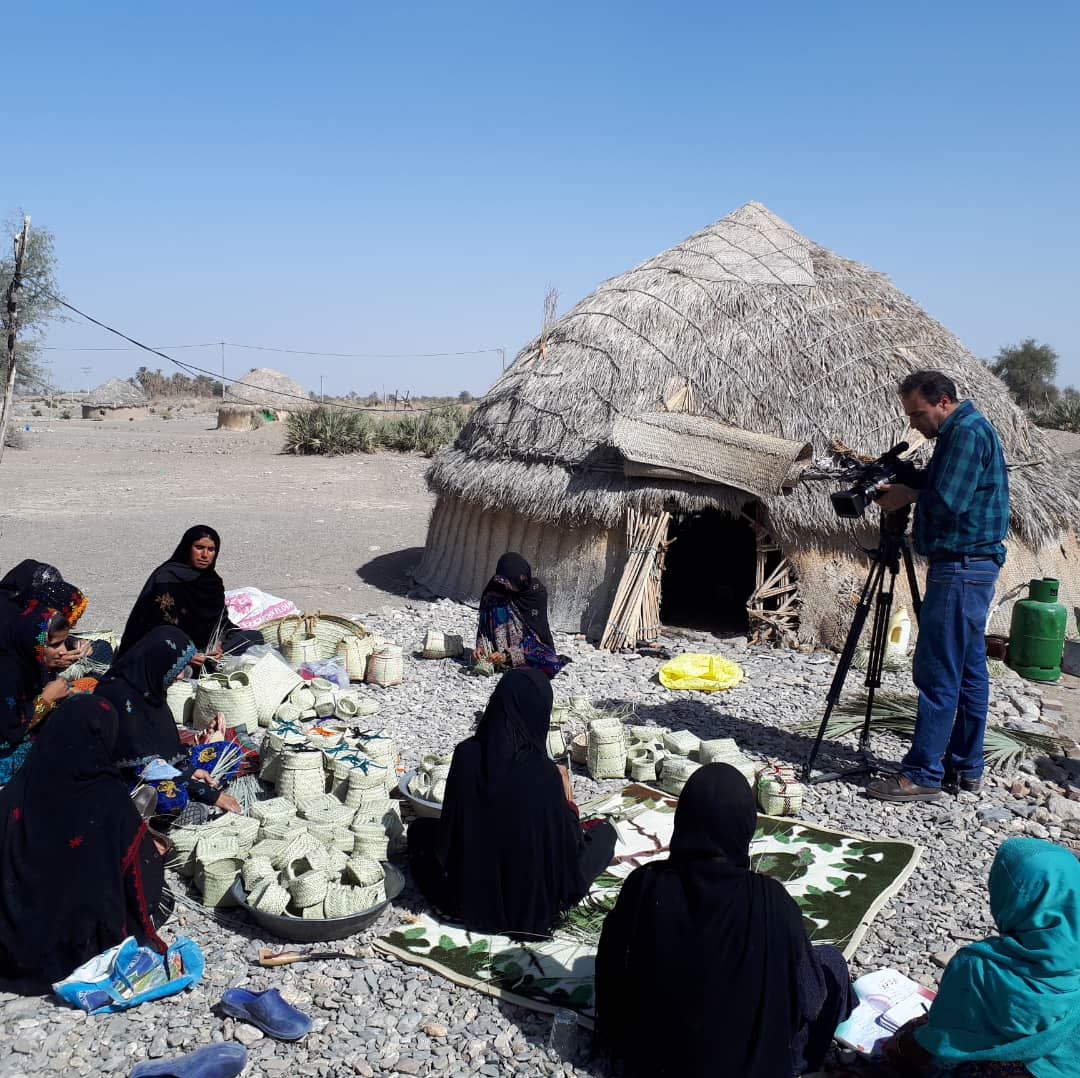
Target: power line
[(291, 351), (190, 368)]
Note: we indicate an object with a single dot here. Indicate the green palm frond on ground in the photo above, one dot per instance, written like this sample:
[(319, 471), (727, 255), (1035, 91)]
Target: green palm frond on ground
[(895, 712)]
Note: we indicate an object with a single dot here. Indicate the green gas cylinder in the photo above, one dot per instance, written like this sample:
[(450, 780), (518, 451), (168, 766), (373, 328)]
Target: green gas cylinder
[(1037, 632)]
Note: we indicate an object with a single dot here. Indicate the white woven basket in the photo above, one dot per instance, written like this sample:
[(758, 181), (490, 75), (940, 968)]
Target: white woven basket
[(779, 791), (308, 889), (235, 702), (674, 773), (215, 880), (180, 697), (273, 808), (363, 871), (343, 901), (271, 682), (269, 897), (269, 848), (440, 645), (215, 845), (681, 742), (184, 840), (302, 776), (371, 841), (386, 666), (355, 650), (301, 649), (606, 746), (255, 870)]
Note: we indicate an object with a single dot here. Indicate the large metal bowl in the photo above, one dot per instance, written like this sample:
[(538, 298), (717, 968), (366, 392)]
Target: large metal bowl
[(315, 930), (420, 806)]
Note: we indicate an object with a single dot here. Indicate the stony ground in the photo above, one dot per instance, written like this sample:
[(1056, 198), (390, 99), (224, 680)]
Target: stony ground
[(374, 1015)]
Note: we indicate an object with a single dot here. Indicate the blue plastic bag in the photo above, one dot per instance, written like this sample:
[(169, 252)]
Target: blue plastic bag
[(126, 975)]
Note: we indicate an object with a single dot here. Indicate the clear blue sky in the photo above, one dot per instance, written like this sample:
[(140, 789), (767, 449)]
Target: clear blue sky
[(409, 177)]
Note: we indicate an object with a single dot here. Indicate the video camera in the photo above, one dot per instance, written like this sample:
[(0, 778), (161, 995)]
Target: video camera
[(868, 480)]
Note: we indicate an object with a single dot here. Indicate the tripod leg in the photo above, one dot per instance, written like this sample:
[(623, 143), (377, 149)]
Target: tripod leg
[(862, 611), (879, 638)]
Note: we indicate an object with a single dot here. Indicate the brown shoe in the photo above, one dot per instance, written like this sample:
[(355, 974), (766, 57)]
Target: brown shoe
[(951, 784), (901, 788)]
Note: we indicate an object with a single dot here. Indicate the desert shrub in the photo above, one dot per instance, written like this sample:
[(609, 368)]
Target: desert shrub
[(65, 414), (330, 431), (423, 432), (1063, 414)]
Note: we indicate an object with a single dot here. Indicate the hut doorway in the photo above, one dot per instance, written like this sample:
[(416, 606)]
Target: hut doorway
[(709, 571)]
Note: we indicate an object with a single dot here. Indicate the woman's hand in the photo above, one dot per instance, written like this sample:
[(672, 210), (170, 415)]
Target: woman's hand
[(202, 775), (565, 776), (197, 659), (215, 731), (55, 690), (229, 804)]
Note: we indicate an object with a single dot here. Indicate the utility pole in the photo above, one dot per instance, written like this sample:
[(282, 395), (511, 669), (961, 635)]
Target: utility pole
[(222, 370), (12, 332), (321, 401)]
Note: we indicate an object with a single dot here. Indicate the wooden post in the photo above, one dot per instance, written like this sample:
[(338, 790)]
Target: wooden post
[(8, 405)]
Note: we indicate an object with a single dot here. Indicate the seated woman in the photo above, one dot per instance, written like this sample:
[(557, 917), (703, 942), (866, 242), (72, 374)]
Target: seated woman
[(78, 870), (135, 685), (187, 592), (513, 629), (1010, 1004), (33, 644), (36, 580), (703, 960), (508, 853)]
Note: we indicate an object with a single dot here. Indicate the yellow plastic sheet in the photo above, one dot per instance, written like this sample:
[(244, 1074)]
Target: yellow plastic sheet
[(702, 673)]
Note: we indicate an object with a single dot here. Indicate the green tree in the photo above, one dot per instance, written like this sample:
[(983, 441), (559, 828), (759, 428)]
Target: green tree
[(35, 298), (1028, 369), (464, 397)]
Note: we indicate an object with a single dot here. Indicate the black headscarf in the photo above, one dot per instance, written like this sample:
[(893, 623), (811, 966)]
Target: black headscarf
[(135, 685), (524, 593), (507, 839), (724, 943), (78, 871), (32, 579), (23, 637), (178, 594)]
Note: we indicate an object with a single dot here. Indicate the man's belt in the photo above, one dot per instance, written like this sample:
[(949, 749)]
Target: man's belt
[(963, 557)]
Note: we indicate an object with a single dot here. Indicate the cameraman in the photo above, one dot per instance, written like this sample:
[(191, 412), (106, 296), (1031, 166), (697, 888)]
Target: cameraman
[(961, 517)]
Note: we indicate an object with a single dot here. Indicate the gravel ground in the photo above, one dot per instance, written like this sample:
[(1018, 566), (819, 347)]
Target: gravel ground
[(374, 1015)]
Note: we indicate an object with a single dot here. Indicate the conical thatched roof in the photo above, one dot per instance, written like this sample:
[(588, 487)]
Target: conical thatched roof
[(768, 332), (268, 388), (116, 393)]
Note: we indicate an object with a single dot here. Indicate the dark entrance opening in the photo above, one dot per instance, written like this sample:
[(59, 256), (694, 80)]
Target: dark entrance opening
[(709, 572)]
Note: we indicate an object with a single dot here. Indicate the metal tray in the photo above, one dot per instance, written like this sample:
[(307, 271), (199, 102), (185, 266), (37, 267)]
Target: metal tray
[(316, 930), (420, 806)]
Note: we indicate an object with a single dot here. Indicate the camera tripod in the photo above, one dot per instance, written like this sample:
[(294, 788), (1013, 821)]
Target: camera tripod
[(892, 549)]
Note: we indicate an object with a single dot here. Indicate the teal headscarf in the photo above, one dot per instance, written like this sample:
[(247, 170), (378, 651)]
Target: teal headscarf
[(1016, 997)]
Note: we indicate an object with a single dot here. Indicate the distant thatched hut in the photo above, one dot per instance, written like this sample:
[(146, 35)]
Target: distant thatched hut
[(115, 399), (239, 417), (631, 423)]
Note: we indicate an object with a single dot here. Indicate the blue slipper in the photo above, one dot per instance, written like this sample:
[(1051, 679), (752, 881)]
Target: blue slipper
[(266, 1011), (213, 1061)]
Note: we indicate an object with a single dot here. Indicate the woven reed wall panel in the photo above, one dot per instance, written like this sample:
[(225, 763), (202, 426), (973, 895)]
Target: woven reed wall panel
[(830, 579), (579, 566)]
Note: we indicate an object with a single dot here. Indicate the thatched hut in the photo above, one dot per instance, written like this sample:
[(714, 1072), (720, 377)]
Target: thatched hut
[(115, 399), (672, 406), (266, 388)]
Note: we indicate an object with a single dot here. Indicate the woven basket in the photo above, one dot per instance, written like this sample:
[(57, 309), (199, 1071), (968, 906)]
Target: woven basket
[(556, 743), (779, 791), (606, 749), (314, 913), (364, 872), (246, 828), (371, 841), (371, 896), (277, 830), (674, 773), (328, 629), (386, 666), (324, 809), (269, 848), (364, 775), (215, 880), (274, 747), (355, 650), (343, 901), (286, 712), (681, 742), (371, 810), (579, 749), (337, 860), (274, 808), (300, 650), (347, 708), (302, 697), (184, 840), (309, 888), (235, 702), (302, 776), (644, 762), (439, 645), (323, 738), (180, 697), (215, 845), (255, 870), (269, 897), (271, 682)]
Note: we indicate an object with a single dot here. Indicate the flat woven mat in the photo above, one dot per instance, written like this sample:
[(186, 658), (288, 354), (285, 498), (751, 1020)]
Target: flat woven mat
[(840, 881)]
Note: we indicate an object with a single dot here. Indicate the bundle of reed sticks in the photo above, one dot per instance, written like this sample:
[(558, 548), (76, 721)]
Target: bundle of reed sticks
[(635, 612)]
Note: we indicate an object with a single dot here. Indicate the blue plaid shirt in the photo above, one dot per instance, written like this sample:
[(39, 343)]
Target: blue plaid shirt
[(963, 507)]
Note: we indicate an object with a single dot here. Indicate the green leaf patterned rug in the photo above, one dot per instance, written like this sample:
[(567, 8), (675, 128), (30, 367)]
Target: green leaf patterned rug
[(839, 880)]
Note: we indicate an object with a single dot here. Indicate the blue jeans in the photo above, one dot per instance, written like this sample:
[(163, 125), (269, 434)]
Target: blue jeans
[(950, 673)]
